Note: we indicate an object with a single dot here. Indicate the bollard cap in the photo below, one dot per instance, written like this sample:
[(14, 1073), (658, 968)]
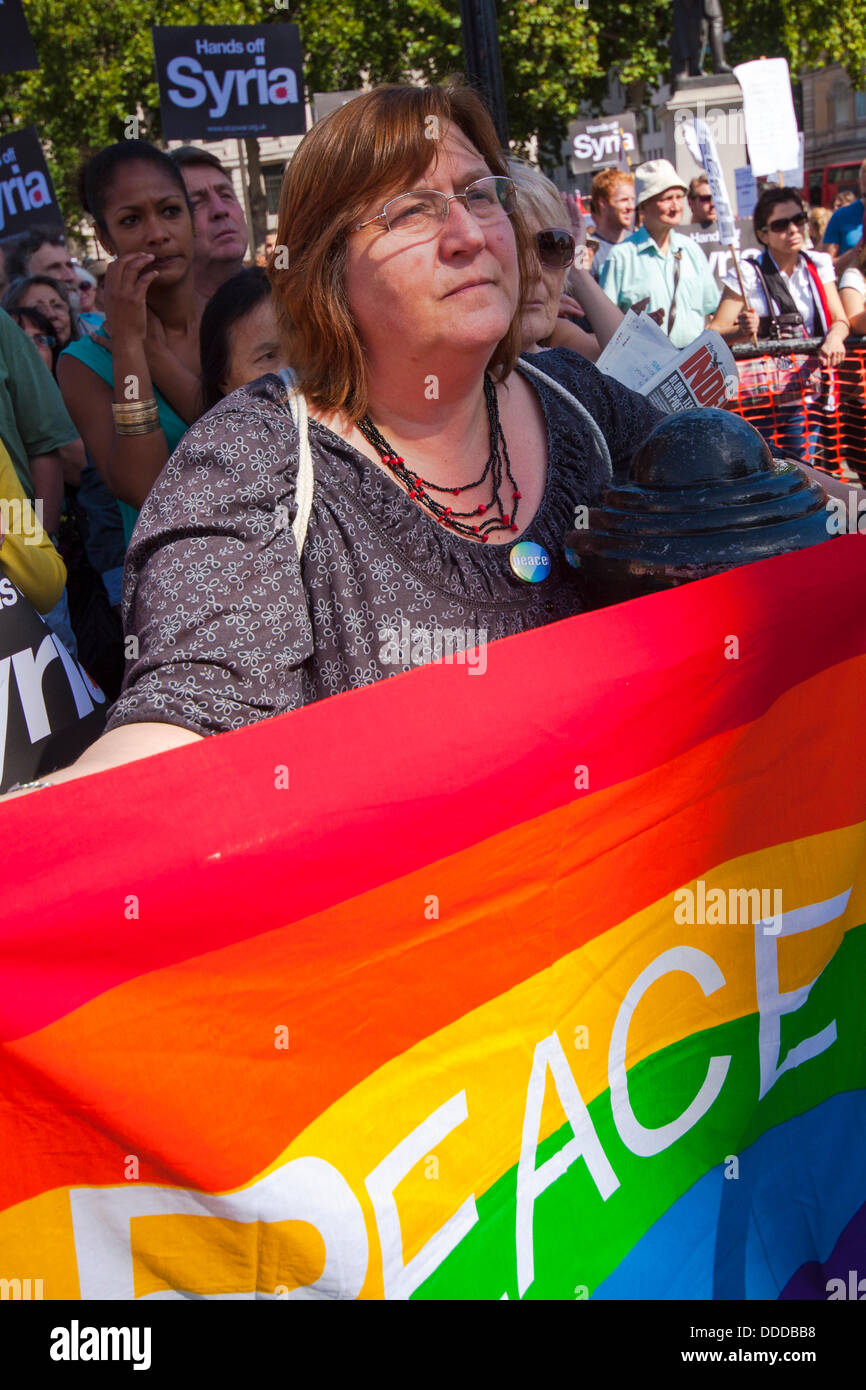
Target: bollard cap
[(703, 495)]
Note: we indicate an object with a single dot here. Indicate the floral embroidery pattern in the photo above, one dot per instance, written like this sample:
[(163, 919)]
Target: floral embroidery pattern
[(232, 628)]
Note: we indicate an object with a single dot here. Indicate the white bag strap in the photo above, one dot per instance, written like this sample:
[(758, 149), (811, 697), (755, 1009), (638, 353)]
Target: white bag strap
[(304, 488), (601, 442)]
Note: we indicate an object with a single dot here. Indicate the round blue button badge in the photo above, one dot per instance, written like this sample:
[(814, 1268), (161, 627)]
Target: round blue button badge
[(530, 561)]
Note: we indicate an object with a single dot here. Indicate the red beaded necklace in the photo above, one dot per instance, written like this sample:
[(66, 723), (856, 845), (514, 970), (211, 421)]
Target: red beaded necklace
[(419, 488)]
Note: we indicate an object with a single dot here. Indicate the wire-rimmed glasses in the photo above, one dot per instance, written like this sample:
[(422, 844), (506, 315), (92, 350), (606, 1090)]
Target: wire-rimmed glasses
[(424, 211)]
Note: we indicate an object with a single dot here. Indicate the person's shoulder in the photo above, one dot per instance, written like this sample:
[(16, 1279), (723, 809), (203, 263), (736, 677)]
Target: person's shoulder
[(841, 219), (250, 431), (563, 364), (853, 279), (576, 374), (260, 404), (823, 263), (639, 237), (623, 250), (86, 350)]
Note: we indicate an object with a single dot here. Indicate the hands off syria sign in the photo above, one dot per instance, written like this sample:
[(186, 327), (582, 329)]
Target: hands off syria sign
[(27, 196), (221, 81)]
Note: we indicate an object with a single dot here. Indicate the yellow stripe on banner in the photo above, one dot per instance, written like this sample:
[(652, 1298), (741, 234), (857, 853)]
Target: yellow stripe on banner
[(489, 1052), (486, 1056)]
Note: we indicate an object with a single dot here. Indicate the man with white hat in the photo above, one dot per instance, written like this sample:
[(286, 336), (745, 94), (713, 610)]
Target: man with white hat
[(658, 264)]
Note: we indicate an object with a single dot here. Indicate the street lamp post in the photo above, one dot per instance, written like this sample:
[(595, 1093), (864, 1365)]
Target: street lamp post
[(483, 63)]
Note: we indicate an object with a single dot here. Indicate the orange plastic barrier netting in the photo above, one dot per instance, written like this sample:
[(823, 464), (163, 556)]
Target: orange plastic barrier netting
[(814, 412)]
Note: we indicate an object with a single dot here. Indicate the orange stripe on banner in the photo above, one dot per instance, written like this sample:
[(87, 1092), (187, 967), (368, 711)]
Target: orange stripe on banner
[(400, 774), (118, 1064)]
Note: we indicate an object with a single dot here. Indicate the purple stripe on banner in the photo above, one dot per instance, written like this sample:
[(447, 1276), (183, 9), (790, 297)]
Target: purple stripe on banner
[(847, 1263)]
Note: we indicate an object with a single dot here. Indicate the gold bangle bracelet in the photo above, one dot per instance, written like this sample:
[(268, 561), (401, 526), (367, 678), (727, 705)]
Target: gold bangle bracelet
[(134, 410), (144, 427)]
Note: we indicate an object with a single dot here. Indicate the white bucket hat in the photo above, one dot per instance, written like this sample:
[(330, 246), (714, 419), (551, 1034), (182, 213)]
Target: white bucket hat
[(655, 177)]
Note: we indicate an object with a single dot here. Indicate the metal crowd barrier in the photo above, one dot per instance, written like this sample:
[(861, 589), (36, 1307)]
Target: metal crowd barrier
[(816, 413)]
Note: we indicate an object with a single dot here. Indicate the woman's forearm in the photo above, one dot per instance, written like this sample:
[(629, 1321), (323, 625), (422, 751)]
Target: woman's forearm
[(136, 460), (126, 744)]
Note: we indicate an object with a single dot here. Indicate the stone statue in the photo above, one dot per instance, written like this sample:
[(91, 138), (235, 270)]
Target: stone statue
[(695, 22)]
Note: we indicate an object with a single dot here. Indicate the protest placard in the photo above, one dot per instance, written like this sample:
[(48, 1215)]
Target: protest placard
[(720, 256), (17, 50), (603, 142), (768, 109), (27, 196), (50, 710), (229, 80)]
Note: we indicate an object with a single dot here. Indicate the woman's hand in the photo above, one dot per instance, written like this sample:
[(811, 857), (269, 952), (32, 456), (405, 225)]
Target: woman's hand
[(832, 350), (569, 308), (747, 322), (126, 284)]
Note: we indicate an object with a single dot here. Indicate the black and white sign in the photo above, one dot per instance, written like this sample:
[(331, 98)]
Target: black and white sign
[(229, 80), (17, 53), (603, 143), (27, 196), (50, 710), (719, 256)]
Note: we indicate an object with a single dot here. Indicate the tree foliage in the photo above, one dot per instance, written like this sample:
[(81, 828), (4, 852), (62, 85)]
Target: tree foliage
[(97, 61)]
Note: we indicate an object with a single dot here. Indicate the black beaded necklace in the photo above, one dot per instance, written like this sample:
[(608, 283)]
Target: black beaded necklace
[(419, 488)]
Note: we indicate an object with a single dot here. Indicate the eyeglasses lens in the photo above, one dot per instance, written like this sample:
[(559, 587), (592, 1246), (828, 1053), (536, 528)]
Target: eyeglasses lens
[(412, 214), (556, 247)]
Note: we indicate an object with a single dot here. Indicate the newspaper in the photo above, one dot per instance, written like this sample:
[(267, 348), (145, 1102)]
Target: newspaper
[(641, 356)]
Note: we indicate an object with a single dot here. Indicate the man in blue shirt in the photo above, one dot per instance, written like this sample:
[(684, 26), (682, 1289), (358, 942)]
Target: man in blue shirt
[(658, 263), (846, 225)]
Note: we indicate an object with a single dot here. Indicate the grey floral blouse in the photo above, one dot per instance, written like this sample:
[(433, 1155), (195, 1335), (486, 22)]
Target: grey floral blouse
[(232, 628)]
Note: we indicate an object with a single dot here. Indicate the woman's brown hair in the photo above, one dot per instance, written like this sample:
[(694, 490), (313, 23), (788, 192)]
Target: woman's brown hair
[(376, 146)]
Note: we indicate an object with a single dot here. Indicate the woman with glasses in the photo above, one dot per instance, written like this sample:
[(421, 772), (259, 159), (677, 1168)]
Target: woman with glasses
[(39, 330), (791, 294), (545, 322), (50, 298), (407, 500)]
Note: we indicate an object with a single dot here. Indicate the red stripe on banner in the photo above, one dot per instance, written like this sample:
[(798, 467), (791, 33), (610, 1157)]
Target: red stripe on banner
[(179, 854)]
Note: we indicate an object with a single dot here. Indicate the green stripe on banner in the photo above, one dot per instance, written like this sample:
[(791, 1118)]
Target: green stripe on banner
[(579, 1238)]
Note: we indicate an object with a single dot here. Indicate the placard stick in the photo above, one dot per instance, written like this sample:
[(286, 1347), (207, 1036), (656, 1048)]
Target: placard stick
[(248, 212), (754, 336)]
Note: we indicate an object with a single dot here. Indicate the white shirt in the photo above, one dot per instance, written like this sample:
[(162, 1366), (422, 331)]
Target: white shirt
[(852, 279), (799, 285)]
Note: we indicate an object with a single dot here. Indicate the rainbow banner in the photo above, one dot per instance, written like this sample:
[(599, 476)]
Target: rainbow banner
[(542, 984)]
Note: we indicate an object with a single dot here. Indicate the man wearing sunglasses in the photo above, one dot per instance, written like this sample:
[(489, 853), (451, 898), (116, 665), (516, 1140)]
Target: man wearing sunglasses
[(660, 265), (701, 204)]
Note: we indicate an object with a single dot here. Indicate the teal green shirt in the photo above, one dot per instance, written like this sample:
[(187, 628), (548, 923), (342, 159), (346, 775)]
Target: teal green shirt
[(636, 268), (33, 418), (100, 361)]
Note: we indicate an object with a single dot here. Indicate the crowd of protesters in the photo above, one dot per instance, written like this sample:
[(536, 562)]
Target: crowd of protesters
[(803, 279), (105, 369)]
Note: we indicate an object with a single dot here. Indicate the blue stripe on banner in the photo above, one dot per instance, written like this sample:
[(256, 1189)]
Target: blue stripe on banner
[(797, 1188)]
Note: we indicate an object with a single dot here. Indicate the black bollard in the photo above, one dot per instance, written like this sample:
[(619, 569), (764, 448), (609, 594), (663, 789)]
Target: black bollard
[(703, 495)]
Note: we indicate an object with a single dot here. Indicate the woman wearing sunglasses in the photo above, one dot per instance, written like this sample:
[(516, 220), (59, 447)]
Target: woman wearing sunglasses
[(420, 477), (545, 323), (791, 294)]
